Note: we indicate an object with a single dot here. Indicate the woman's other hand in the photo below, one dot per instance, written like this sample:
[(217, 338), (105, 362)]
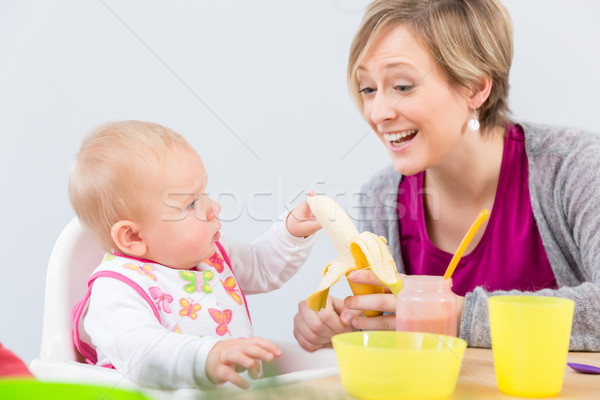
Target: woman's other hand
[(385, 302), (313, 330)]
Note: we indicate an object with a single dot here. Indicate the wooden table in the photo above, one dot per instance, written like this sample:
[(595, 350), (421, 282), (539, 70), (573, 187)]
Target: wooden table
[(477, 380)]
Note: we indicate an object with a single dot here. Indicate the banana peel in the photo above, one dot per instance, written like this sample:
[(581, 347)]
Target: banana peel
[(332, 273), (370, 250), (355, 251)]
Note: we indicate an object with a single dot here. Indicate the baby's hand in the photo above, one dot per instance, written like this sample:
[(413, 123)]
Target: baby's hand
[(229, 357), (300, 221)]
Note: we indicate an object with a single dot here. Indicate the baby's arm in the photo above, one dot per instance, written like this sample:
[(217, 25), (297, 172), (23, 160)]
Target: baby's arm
[(128, 335), (228, 357), (273, 258)]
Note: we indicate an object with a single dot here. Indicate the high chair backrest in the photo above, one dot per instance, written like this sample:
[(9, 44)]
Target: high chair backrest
[(75, 255)]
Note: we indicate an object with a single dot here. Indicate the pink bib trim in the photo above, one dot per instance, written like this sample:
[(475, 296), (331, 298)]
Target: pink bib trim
[(84, 348), (226, 258)]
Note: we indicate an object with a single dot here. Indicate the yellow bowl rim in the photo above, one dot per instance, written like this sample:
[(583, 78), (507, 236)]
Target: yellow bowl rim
[(455, 341)]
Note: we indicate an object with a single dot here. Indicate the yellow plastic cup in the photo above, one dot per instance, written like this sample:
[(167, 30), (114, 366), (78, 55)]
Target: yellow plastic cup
[(530, 342)]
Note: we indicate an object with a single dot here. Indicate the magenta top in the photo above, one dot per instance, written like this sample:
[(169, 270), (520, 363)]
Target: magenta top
[(510, 254)]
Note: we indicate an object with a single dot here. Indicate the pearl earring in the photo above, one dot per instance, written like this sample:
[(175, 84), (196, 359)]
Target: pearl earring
[(473, 122)]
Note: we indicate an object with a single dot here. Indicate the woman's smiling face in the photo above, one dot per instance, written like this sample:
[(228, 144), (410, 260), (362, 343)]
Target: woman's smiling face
[(410, 104)]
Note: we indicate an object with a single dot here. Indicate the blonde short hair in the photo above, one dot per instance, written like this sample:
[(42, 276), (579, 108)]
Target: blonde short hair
[(470, 39), (109, 172)]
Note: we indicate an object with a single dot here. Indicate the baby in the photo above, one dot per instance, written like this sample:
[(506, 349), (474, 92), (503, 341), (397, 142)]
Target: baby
[(166, 305)]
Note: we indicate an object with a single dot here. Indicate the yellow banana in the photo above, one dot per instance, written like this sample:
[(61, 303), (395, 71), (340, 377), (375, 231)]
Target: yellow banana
[(355, 251)]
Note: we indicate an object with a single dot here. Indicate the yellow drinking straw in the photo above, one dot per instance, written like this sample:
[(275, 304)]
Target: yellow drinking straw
[(465, 242)]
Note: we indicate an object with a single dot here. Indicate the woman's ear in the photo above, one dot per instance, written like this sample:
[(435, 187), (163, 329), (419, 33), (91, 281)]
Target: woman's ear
[(126, 235), (481, 92)]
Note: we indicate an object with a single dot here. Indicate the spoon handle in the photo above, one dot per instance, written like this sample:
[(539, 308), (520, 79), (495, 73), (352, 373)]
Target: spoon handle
[(465, 242)]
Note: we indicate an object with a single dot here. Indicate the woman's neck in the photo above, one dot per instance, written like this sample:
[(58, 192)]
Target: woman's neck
[(471, 175)]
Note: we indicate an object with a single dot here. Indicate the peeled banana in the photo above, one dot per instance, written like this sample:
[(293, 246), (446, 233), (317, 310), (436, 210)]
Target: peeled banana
[(355, 251)]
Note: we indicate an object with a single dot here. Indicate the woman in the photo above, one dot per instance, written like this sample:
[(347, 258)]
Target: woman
[(431, 79)]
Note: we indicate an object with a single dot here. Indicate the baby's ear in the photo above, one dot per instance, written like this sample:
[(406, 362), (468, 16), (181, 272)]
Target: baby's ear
[(126, 236)]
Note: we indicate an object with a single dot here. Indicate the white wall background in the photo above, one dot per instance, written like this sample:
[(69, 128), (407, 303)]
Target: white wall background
[(257, 87)]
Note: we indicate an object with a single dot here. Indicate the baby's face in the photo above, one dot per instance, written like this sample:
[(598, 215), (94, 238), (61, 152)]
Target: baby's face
[(180, 225)]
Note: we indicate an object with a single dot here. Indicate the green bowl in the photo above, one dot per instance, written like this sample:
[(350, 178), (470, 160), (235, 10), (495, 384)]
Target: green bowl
[(21, 389)]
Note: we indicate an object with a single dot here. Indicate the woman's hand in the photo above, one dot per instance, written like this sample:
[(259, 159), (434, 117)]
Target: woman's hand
[(229, 357), (313, 330), (386, 302), (379, 302)]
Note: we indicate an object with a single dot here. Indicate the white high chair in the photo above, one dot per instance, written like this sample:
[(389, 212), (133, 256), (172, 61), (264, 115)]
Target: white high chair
[(74, 256)]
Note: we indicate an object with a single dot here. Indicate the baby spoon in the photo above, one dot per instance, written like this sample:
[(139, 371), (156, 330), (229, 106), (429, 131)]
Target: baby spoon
[(584, 368)]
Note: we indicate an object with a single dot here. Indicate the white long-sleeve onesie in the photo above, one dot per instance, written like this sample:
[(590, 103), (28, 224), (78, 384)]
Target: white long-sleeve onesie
[(127, 334)]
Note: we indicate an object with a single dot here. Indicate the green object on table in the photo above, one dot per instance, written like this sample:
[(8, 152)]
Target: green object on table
[(17, 389)]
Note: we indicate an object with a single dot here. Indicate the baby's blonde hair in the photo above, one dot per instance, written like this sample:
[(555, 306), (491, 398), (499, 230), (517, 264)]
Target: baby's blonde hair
[(109, 172), (470, 40)]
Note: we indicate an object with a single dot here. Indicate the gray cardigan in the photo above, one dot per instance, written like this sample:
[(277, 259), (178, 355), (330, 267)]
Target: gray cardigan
[(564, 185)]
